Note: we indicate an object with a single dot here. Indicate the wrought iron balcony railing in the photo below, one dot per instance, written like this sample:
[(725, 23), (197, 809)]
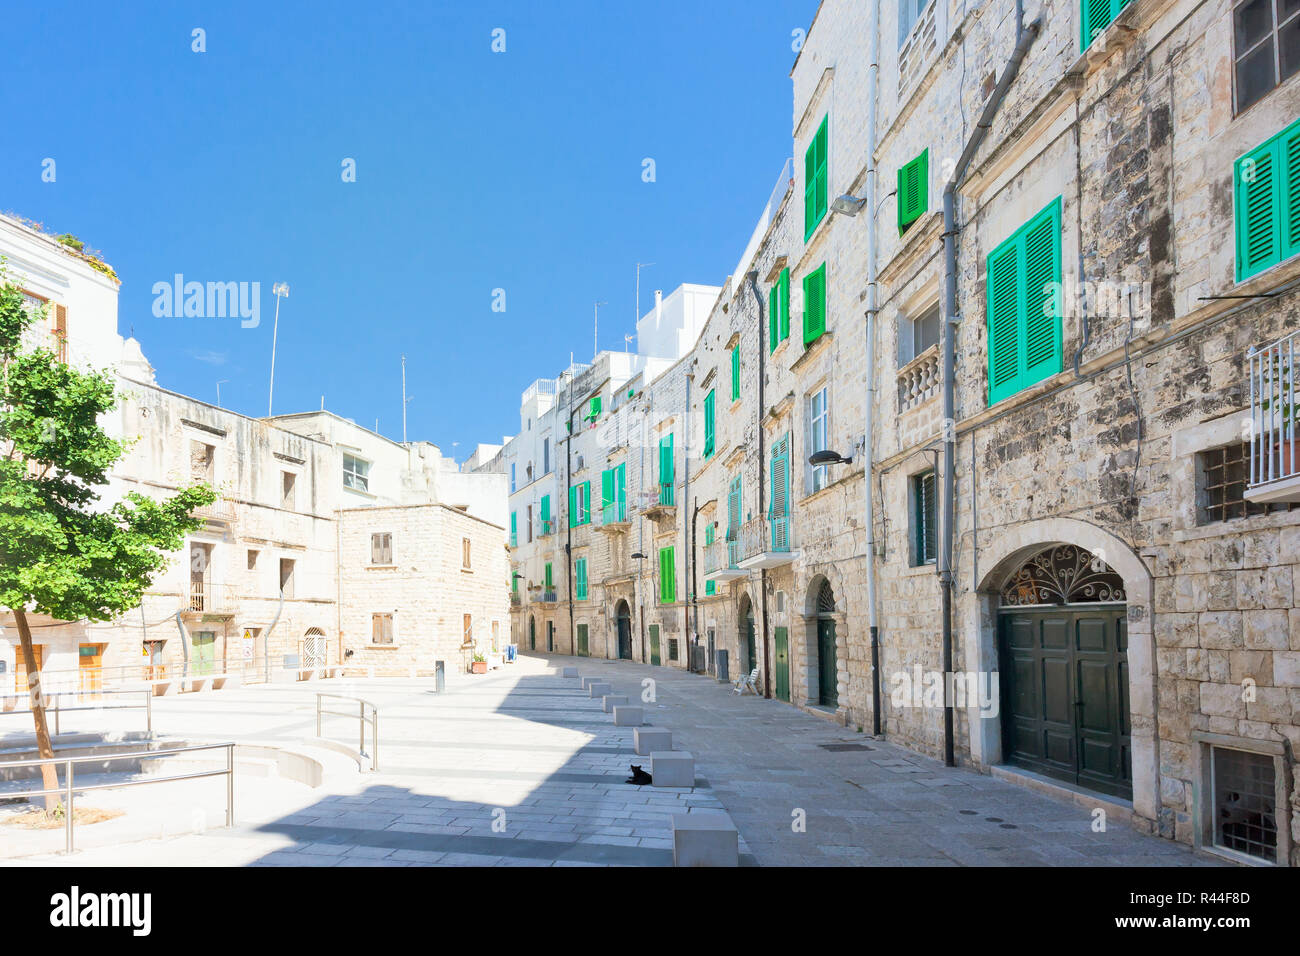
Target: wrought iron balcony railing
[(765, 542), (1274, 442)]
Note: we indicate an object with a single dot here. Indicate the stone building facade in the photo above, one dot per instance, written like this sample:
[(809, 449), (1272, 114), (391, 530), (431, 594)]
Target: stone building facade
[(273, 582), (1125, 565)]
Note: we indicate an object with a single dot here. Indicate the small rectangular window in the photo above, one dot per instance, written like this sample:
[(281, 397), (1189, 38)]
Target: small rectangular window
[(286, 576), (925, 521), (288, 491), (468, 622), (381, 628), (818, 437), (1245, 803), (464, 548), (202, 461), (1223, 474), (252, 559), (1266, 47), (381, 548), (356, 473)]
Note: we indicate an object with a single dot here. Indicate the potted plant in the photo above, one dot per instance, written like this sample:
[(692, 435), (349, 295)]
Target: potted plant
[(478, 664)]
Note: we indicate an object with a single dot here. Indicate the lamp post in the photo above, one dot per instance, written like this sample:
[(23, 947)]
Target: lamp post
[(281, 291)]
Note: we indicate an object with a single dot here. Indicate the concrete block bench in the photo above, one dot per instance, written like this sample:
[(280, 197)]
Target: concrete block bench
[(569, 672), (598, 689), (625, 716), (588, 681), (705, 838), (672, 768), (611, 701), (648, 740)]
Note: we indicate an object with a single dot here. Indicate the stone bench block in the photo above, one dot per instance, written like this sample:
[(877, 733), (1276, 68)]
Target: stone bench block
[(705, 838), (672, 768), (613, 700), (625, 716), (648, 740), (598, 689), (569, 672), (588, 681)]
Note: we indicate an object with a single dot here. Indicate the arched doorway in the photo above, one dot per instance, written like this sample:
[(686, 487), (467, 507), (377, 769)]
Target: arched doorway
[(532, 633), (828, 677), (746, 638), (623, 619), (1062, 646)]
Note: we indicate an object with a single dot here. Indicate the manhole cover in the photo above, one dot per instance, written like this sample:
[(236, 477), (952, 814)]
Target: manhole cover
[(840, 748)]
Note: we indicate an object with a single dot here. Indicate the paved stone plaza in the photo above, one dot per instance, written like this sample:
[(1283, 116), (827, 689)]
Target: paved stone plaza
[(521, 768)]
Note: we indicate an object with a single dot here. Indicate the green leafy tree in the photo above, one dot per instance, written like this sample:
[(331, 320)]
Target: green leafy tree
[(63, 553)]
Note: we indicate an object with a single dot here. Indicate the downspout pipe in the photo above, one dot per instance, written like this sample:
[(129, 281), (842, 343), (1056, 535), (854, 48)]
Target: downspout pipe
[(687, 537), (1025, 37), (266, 639), (752, 276), (868, 443), (568, 540)]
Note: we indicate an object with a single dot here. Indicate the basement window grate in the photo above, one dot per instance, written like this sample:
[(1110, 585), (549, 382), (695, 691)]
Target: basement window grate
[(1245, 811), (1224, 475)]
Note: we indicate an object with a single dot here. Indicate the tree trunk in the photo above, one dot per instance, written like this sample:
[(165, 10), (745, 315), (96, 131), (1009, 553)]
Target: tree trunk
[(49, 773)]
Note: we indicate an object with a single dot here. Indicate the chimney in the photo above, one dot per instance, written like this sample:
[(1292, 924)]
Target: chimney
[(659, 307)]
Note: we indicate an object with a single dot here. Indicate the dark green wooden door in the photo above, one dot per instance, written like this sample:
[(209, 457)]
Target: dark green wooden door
[(624, 639), (532, 634), (582, 640), (828, 677), (782, 666), (1065, 696), (654, 644)]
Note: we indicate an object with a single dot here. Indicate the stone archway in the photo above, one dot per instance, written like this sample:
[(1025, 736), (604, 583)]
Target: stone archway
[(623, 628), (746, 635), (824, 649), (998, 560)]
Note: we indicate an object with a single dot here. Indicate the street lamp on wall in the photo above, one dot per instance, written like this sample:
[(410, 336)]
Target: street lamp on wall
[(826, 457)]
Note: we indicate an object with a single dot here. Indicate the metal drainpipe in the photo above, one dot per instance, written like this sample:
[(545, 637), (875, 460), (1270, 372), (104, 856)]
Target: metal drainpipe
[(568, 542), (686, 536), (266, 639), (185, 646), (873, 72), (1025, 37), (695, 597), (752, 276)]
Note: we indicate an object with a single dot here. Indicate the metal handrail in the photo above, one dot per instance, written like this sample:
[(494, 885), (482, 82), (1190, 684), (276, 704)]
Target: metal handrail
[(68, 790), (362, 720), (58, 708)]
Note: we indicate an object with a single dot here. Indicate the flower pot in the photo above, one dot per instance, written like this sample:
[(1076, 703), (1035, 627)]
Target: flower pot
[(478, 667)]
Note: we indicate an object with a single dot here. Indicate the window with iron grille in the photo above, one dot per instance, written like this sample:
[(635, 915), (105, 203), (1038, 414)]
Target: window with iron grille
[(1224, 473), (672, 648), (1245, 803), (1266, 47), (924, 519)]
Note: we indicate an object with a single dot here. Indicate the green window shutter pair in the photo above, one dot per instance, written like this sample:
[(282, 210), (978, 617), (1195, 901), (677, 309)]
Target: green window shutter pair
[(925, 525), (913, 190), (735, 373), (780, 506), (667, 575), (666, 475), (514, 529), (710, 586), (814, 180), (1024, 305), (814, 305), (546, 512), (1266, 188), (580, 579), (710, 424), (1096, 16), (548, 579), (580, 504), (514, 583), (733, 509)]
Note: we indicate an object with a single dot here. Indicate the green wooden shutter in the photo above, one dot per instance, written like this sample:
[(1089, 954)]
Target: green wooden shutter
[(925, 524), (814, 304), (580, 578), (783, 300), (607, 494), (666, 476), (913, 190), (514, 529), (546, 513), (1266, 187), (667, 575), (620, 490), (780, 505), (573, 506), (814, 170), (586, 502), (735, 373), (1024, 305), (710, 586), (1095, 17), (733, 510), (548, 578), (709, 424)]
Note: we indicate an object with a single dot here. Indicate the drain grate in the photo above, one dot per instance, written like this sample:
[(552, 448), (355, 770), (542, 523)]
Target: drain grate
[(841, 748)]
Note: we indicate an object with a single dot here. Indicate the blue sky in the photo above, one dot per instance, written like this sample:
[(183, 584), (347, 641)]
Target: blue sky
[(474, 171)]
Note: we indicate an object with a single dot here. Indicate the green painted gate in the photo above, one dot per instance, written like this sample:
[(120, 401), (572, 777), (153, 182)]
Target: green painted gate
[(782, 665), (654, 644), (1065, 695), (828, 694)]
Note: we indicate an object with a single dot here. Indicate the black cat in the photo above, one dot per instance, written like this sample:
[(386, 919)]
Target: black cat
[(639, 776)]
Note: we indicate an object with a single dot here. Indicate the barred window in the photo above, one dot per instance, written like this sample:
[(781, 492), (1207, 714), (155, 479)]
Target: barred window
[(1224, 474), (1245, 811)]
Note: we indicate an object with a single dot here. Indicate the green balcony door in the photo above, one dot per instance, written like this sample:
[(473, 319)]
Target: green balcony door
[(654, 644), (827, 672), (782, 665)]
